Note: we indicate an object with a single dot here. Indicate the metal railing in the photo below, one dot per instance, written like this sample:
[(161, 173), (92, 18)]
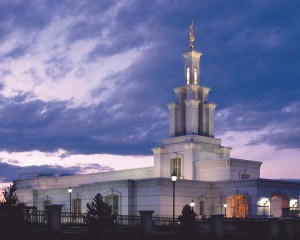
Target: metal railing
[(128, 223), (35, 220)]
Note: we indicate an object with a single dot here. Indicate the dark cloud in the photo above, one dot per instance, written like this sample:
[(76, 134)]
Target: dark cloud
[(286, 139), (9, 172), (36, 125), (250, 57), (281, 127), (15, 53)]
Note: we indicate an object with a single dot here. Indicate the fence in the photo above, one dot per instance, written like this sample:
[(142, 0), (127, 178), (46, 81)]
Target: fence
[(35, 220), (74, 222)]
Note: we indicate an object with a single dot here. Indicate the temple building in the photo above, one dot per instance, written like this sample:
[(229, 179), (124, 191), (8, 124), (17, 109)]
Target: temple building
[(205, 171)]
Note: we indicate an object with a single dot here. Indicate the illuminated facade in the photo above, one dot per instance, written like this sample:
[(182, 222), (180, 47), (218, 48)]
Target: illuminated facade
[(206, 172)]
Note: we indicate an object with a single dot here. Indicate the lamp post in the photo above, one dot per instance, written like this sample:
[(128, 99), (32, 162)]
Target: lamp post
[(225, 207), (174, 178), (70, 192), (192, 204)]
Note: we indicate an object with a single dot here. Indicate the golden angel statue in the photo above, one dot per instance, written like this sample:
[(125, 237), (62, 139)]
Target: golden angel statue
[(192, 37)]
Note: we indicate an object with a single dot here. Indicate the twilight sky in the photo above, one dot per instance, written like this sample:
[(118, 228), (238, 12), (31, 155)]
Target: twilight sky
[(84, 84)]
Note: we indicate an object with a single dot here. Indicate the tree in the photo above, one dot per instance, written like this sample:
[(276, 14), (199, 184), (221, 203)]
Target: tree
[(187, 219), (11, 215), (99, 215)]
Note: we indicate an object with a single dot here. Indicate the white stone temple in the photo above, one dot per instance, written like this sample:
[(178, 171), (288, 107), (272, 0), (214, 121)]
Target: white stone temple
[(205, 171)]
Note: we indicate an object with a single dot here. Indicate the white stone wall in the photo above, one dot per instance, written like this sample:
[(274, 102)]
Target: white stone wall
[(43, 182)]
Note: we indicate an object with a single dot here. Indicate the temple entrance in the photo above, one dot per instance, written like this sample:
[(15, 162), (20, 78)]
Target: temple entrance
[(237, 206), (277, 203)]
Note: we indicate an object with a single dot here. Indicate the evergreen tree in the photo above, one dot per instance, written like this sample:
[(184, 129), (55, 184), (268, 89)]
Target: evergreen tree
[(187, 219), (11, 215), (99, 215)]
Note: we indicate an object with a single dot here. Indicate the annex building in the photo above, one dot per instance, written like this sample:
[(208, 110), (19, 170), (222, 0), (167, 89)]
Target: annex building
[(206, 172)]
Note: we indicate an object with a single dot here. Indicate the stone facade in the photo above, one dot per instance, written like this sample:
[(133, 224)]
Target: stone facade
[(206, 172)]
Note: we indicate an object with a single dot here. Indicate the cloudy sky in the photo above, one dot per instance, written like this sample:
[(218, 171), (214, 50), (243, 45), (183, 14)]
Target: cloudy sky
[(84, 84)]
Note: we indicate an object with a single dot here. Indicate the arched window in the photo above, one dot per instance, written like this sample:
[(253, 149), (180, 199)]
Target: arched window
[(77, 205), (113, 201), (195, 75), (176, 167), (188, 73)]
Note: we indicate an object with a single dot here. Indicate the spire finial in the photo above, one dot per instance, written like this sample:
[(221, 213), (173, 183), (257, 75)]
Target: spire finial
[(192, 37)]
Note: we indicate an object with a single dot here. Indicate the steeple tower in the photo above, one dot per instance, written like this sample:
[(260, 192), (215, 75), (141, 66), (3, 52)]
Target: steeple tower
[(192, 113), (191, 151)]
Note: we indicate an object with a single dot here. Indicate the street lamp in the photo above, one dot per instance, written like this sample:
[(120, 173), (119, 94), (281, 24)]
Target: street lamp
[(70, 192), (225, 207), (192, 204), (174, 178)]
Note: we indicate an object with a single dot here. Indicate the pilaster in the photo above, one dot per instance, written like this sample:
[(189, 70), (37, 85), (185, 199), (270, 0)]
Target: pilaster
[(210, 118), (192, 116), (173, 119), (158, 153)]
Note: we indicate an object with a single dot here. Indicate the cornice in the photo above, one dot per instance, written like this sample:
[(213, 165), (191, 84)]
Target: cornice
[(192, 138), (224, 150), (167, 182), (260, 183), (205, 89), (235, 184), (192, 102), (179, 90), (173, 106), (210, 105), (203, 163), (192, 87), (244, 161), (158, 150), (192, 53)]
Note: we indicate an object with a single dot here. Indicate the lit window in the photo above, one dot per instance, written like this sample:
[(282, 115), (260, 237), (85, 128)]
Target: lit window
[(113, 201), (188, 75), (176, 167), (77, 205), (195, 75)]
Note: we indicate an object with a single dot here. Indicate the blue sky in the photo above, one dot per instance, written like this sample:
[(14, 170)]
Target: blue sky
[(84, 84)]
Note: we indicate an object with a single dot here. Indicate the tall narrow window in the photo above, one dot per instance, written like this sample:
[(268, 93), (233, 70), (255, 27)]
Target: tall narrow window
[(77, 205), (113, 201), (188, 73), (176, 167), (201, 208), (195, 75)]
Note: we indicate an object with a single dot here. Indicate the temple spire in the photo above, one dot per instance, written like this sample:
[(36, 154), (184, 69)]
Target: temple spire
[(192, 37)]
